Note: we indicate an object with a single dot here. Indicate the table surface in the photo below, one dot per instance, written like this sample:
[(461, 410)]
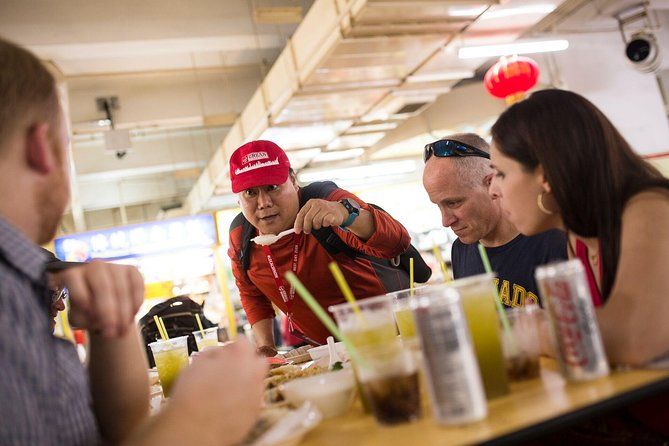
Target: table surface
[(533, 408)]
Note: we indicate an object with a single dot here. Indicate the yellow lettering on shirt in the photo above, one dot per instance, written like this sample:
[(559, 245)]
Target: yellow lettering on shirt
[(531, 299), (519, 297), (504, 293), (519, 293)]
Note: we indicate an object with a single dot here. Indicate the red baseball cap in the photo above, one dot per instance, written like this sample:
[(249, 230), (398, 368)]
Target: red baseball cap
[(258, 163)]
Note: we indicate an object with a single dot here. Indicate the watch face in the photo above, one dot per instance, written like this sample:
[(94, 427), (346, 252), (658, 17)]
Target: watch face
[(352, 203)]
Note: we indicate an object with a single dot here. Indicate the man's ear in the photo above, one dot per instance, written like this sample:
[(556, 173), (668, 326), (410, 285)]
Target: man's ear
[(38, 149), (487, 180), (293, 179)]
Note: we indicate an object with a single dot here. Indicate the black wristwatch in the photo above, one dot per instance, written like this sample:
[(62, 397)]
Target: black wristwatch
[(353, 209)]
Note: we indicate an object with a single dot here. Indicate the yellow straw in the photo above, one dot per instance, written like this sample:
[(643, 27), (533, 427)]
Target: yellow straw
[(345, 289), (162, 323), (411, 276), (442, 264), (160, 328), (199, 322)]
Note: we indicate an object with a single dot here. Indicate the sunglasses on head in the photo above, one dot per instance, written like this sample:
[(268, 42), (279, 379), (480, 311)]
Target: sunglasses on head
[(445, 148)]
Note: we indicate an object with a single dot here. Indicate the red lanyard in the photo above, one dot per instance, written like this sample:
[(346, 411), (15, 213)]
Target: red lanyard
[(278, 280)]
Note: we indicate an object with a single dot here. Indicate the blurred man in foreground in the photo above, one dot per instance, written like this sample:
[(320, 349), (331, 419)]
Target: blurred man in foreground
[(47, 399)]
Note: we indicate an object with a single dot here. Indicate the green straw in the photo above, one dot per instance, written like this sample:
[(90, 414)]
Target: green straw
[(498, 301), (322, 315)]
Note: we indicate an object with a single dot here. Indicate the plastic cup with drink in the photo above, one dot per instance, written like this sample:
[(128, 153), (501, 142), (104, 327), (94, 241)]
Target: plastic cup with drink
[(206, 338), (389, 381), (522, 345), (478, 296), (171, 356)]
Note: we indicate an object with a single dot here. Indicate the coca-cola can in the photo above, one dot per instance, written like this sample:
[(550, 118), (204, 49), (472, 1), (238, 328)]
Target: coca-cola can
[(566, 295), (451, 370)]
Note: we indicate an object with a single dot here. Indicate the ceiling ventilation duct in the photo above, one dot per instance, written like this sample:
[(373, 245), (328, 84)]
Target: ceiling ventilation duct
[(355, 69)]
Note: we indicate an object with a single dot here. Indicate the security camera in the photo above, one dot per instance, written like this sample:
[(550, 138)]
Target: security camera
[(643, 52), (120, 154)]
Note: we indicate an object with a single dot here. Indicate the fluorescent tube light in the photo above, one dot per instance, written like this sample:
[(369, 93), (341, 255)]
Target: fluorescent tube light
[(508, 49), (543, 8)]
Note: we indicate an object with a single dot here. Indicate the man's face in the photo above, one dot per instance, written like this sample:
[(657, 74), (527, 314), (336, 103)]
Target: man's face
[(271, 209), (467, 209), (54, 194)]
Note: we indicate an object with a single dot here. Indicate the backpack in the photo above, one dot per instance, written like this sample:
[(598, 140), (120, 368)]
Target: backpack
[(334, 245), (178, 314)]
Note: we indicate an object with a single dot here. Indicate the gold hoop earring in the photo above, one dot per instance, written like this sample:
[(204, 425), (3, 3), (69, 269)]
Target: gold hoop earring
[(540, 204)]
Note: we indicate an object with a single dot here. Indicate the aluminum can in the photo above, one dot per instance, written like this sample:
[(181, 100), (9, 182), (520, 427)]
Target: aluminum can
[(566, 295), (451, 371)]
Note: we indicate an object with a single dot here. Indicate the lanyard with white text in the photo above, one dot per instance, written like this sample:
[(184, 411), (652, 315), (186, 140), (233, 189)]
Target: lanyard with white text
[(278, 280)]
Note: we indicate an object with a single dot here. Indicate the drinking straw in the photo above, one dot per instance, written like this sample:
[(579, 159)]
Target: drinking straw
[(199, 322), (498, 301), (160, 328), (322, 315), (162, 323), (345, 289), (411, 276), (442, 264)]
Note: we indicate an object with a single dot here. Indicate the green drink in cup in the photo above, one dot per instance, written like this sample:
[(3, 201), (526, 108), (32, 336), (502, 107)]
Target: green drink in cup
[(402, 311), (171, 357), (206, 338), (373, 326), (478, 296)]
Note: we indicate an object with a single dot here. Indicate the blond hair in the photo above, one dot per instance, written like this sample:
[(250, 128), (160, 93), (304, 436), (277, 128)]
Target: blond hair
[(472, 170)]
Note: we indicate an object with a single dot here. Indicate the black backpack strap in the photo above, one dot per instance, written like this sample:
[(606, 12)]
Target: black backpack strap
[(327, 238)]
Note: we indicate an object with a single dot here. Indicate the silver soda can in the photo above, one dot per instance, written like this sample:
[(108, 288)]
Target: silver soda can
[(566, 295), (451, 371)]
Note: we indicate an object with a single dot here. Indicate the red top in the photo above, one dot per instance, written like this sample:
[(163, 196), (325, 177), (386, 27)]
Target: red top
[(582, 254), (258, 290)]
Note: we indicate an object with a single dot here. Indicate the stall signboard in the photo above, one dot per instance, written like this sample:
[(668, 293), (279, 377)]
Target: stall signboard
[(138, 240)]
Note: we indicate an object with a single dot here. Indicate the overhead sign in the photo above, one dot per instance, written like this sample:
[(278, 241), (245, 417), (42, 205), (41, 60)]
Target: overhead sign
[(138, 240)]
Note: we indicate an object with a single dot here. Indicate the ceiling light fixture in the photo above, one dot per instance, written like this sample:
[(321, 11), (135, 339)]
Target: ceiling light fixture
[(542, 8), (527, 47)]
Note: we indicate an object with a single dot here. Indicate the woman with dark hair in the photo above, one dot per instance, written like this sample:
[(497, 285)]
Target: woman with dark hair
[(560, 163)]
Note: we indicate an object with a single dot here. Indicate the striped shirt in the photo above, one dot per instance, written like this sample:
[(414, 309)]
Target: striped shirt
[(45, 398)]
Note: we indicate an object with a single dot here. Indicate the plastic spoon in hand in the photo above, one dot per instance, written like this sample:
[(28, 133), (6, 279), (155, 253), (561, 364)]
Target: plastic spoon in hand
[(268, 239), (334, 357)]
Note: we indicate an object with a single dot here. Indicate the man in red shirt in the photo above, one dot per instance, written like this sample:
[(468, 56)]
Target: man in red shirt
[(271, 202)]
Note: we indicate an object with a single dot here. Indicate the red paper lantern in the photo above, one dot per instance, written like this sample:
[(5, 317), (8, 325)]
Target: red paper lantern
[(511, 77)]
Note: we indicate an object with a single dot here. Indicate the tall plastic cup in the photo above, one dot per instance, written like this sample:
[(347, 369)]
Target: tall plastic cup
[(478, 296), (171, 357), (453, 377)]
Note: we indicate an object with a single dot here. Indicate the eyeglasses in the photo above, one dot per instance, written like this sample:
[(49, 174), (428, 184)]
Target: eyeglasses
[(59, 294), (445, 148)]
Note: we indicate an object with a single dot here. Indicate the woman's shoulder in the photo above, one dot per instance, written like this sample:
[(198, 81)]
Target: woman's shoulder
[(649, 197), (648, 204)]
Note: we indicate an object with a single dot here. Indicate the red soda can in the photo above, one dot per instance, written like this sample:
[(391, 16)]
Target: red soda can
[(566, 295)]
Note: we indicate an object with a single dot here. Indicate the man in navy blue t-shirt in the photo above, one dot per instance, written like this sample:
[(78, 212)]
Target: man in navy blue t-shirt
[(457, 177)]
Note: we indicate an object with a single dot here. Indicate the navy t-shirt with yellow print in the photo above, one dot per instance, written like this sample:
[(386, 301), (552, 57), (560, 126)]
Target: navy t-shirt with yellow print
[(513, 262)]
